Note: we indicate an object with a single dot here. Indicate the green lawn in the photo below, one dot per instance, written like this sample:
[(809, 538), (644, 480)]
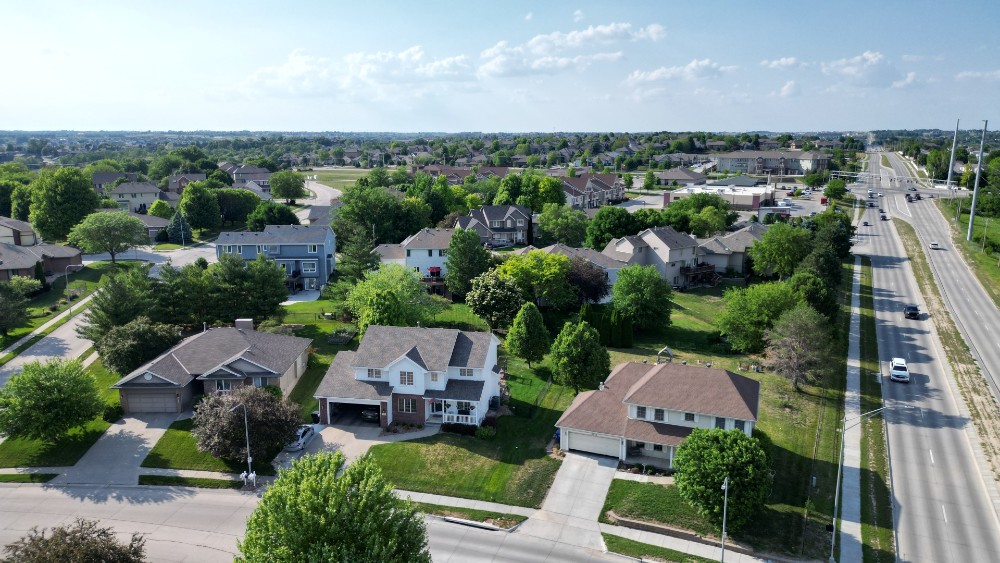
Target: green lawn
[(317, 327), (498, 519), (28, 477), (340, 178), (160, 246), (646, 552), (986, 265), (654, 503), (198, 482), (177, 449), (21, 452)]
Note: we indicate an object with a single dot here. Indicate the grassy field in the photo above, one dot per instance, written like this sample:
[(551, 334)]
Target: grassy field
[(21, 452), (655, 503), (499, 519), (197, 482), (340, 178), (177, 449), (986, 265), (885, 161), (876, 503), (646, 552)]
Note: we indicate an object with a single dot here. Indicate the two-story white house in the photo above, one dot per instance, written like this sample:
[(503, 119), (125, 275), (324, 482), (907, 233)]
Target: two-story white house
[(424, 252), (674, 254), (414, 375), (647, 410)]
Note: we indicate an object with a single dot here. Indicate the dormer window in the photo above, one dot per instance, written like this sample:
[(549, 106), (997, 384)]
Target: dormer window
[(640, 412), (658, 415), (374, 373), (465, 372)]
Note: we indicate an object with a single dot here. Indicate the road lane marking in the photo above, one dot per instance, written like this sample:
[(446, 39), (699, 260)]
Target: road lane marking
[(945, 514), (932, 456)]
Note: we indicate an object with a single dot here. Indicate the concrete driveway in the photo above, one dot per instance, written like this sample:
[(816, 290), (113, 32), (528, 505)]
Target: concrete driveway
[(351, 437), (574, 502), (63, 343)]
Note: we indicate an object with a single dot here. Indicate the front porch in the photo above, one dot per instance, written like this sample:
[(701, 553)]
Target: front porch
[(449, 411)]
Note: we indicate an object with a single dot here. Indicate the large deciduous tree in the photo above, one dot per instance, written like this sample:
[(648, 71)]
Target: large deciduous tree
[(588, 280), (578, 359), (836, 189), (236, 204), (495, 299), (643, 295), (528, 339), (703, 461), (318, 510), (467, 259), (542, 277), (60, 200), (220, 430), (270, 213), (45, 401), (751, 311), (798, 346), (82, 541), (200, 206), (392, 295), (288, 185), (113, 232), (780, 249), (609, 223), (126, 347), (562, 223)]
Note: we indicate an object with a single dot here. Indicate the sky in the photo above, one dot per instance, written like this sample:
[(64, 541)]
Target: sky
[(516, 66)]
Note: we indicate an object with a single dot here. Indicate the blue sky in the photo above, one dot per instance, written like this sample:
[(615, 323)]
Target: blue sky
[(499, 66)]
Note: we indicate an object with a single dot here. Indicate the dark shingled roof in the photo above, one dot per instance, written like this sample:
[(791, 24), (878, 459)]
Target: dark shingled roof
[(278, 234), (672, 238), (136, 188), (339, 381), (458, 391), (20, 257), (384, 344)]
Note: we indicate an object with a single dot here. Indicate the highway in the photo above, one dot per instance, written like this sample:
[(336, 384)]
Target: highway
[(942, 505)]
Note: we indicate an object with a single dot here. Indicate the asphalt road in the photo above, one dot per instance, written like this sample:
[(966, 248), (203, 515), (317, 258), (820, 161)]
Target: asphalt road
[(62, 342), (943, 510), (203, 526)]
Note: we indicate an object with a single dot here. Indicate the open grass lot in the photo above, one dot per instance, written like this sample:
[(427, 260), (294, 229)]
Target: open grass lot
[(177, 449), (646, 552), (340, 178), (197, 482), (986, 265), (654, 502), (20, 452), (498, 519)]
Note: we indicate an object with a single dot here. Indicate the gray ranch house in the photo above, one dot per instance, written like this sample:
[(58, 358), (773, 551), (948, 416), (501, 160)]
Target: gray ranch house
[(306, 252)]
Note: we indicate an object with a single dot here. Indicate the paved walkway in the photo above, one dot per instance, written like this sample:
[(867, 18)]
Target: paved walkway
[(62, 342), (77, 309), (850, 497)]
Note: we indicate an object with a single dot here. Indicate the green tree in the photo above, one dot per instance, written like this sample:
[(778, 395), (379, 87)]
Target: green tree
[(179, 230), (236, 204), (707, 222), (750, 312), (628, 180), (467, 259), (528, 339), (495, 299), (578, 359), (318, 510), (588, 280), (7, 187), (562, 223), (391, 295), (798, 346), (182, 296), (609, 223), (542, 277), (649, 180), (60, 200), (357, 257), (13, 307), (288, 185), (161, 209), (113, 232), (200, 207), (128, 346), (20, 201), (247, 289), (703, 462), (780, 249), (270, 213), (122, 297), (812, 289), (221, 431), (82, 541), (45, 401), (835, 189), (643, 295)]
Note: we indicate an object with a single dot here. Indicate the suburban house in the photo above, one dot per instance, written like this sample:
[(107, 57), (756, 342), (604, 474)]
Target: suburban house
[(135, 196), (674, 254), (647, 410), (20, 249), (679, 176), (414, 375), (259, 188), (104, 180), (740, 198), (780, 163), (214, 361), (609, 265), (424, 252), (178, 182), (250, 173), (499, 225), (153, 223), (728, 253), (306, 252), (589, 191)]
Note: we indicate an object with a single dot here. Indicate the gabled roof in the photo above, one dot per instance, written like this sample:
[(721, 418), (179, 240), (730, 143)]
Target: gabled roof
[(340, 382), (174, 181), (744, 238), (390, 251), (136, 188), (14, 224), (428, 239), (603, 261), (101, 178), (13, 257), (208, 351), (435, 349), (488, 213), (278, 234), (670, 237), (680, 174)]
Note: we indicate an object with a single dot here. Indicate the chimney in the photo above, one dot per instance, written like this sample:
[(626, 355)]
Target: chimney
[(244, 324)]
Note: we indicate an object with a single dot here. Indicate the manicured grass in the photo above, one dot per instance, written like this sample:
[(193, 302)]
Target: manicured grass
[(310, 314), (459, 316), (513, 468), (21, 452), (340, 178), (646, 552), (885, 161), (986, 265), (198, 482), (654, 503), (499, 519), (167, 246), (28, 477), (177, 449)]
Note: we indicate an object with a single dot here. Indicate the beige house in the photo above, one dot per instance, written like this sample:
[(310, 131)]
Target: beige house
[(16, 232), (674, 254), (137, 197)]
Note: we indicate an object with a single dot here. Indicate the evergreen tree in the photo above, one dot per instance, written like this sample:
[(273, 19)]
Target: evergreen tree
[(357, 256), (122, 297), (179, 230), (528, 339), (467, 259)]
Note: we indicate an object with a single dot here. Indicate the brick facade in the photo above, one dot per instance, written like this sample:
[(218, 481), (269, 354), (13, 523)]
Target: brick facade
[(417, 417)]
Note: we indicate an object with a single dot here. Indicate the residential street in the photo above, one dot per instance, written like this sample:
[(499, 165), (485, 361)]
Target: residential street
[(62, 342), (177, 258)]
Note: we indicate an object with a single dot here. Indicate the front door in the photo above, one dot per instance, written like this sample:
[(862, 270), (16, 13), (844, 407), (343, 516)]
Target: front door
[(437, 407)]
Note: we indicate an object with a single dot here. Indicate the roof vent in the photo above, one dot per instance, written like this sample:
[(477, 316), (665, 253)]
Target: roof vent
[(244, 324)]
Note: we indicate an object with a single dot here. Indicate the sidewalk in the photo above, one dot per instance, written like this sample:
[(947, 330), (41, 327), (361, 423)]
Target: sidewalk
[(76, 309), (850, 497)]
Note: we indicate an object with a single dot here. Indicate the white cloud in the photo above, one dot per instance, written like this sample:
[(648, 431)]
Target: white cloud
[(599, 34), (783, 62), (577, 15), (921, 58), (989, 75), (903, 83), (789, 90), (694, 70), (528, 16), (653, 32), (868, 70)]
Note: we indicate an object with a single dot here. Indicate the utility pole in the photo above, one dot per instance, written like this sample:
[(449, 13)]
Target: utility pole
[(951, 163), (975, 189)]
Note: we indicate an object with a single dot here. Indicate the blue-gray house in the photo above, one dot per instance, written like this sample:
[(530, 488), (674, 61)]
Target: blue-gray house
[(307, 253)]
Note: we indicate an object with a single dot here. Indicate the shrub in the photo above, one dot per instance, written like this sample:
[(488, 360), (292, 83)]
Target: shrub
[(113, 413), (463, 429), (274, 390), (486, 432)]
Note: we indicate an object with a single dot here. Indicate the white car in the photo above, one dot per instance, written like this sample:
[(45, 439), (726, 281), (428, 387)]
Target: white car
[(303, 435), (935, 246), (898, 370)]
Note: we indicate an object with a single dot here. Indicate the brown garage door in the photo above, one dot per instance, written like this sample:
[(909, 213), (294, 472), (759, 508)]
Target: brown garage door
[(151, 401)]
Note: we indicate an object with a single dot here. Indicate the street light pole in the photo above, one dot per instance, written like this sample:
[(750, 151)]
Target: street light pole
[(725, 505), (246, 426), (975, 189), (66, 278)]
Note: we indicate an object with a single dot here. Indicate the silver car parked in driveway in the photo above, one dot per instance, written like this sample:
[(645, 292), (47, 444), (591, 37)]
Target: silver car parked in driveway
[(303, 435)]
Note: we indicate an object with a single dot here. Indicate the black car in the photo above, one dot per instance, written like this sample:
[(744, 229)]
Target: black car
[(864, 224), (883, 217), (880, 210), (911, 312), (370, 415)]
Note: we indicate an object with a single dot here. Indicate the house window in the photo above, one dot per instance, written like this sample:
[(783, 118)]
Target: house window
[(640, 412), (266, 248), (313, 249), (259, 381), (466, 406), (497, 224), (520, 222), (239, 249), (657, 448), (407, 252), (739, 425), (465, 372), (309, 267), (434, 376), (223, 385), (689, 417), (407, 405), (658, 415), (720, 422), (640, 445), (374, 373), (406, 378)]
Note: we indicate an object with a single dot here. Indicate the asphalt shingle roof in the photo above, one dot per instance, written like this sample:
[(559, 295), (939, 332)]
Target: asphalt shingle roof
[(429, 239), (136, 188), (278, 234), (339, 381)]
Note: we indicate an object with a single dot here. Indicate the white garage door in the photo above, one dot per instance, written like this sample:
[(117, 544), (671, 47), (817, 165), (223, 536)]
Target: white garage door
[(151, 401), (594, 444)]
